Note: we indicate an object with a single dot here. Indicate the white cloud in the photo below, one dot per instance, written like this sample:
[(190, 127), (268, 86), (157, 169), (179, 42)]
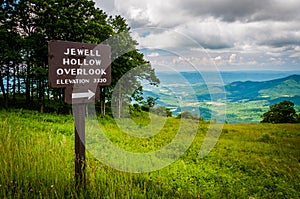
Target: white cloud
[(219, 58), (295, 55), (246, 32), (153, 54), (232, 58)]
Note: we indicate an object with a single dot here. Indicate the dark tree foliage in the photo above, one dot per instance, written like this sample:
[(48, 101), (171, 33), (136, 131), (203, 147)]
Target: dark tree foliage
[(284, 112)]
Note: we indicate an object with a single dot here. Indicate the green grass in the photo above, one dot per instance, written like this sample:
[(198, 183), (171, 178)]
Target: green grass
[(249, 161)]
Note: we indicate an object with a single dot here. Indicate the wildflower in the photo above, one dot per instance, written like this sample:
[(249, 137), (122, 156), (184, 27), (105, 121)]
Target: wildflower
[(30, 190)]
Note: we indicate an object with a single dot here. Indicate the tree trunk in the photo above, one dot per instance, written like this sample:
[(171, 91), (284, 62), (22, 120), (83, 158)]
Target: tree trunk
[(19, 80), (32, 90), (14, 83), (102, 100), (48, 92), (42, 96), (28, 83), (119, 105), (5, 97), (7, 83)]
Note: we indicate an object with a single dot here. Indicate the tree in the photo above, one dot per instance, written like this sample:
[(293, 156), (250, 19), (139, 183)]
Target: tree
[(283, 112), (9, 43), (150, 102), (187, 115), (162, 111), (127, 58)]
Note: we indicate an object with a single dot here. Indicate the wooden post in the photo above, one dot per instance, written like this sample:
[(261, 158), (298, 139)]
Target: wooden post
[(78, 93), (79, 115)]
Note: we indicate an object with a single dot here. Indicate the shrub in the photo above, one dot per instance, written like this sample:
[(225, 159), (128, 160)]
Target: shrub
[(283, 112)]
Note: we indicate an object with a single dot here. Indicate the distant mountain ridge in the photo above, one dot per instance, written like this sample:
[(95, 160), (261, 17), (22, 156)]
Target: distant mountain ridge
[(288, 87)]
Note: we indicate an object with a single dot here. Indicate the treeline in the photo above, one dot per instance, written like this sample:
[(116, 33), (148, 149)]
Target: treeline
[(26, 28)]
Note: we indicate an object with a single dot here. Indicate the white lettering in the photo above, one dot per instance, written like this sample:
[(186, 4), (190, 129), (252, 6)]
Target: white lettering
[(84, 62), (92, 62), (73, 62), (60, 71), (92, 53), (91, 72), (66, 61), (67, 52), (86, 52), (97, 53), (100, 80), (80, 51), (73, 51), (98, 62), (80, 71), (73, 71), (98, 72), (72, 81)]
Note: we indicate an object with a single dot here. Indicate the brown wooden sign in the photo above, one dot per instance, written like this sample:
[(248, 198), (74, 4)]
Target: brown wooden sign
[(80, 68)]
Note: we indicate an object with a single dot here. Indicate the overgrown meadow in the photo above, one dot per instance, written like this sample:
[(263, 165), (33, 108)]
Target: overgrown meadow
[(248, 161)]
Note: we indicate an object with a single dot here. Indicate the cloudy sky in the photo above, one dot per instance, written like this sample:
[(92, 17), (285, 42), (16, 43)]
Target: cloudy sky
[(229, 34)]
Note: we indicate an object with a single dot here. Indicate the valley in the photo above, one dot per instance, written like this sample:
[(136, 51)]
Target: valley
[(242, 98)]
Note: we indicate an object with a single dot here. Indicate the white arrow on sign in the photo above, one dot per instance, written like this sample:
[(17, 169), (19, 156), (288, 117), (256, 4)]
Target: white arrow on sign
[(88, 95)]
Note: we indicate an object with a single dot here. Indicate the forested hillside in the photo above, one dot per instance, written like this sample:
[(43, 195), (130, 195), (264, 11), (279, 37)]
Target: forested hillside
[(287, 87)]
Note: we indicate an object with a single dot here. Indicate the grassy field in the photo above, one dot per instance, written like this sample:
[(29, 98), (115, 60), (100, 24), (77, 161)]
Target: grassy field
[(249, 161)]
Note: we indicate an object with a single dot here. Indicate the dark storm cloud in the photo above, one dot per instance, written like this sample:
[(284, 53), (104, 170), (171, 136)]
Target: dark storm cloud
[(279, 42), (279, 11), (243, 10), (230, 10)]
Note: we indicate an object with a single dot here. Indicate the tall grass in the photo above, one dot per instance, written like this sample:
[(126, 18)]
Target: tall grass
[(37, 161)]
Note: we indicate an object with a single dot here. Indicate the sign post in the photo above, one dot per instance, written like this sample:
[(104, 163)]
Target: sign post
[(79, 115), (81, 69)]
